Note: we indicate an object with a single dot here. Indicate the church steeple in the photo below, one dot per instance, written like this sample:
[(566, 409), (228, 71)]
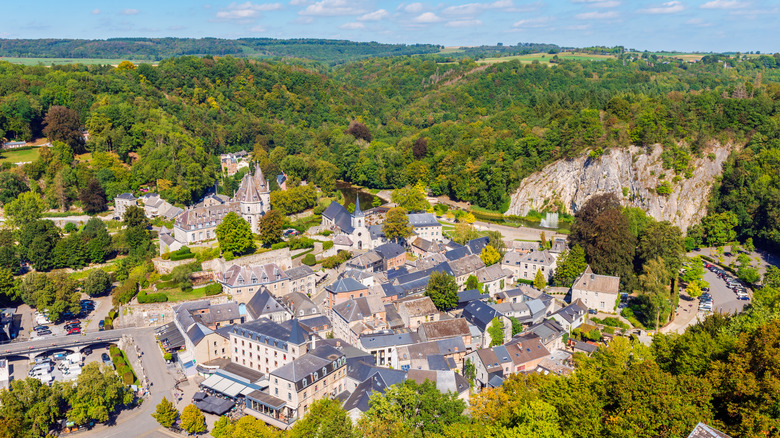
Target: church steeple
[(358, 212)]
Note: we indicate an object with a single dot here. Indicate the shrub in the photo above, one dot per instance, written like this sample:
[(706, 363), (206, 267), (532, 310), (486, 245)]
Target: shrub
[(213, 289), (128, 378), (228, 255), (145, 298), (327, 245), (333, 261), (279, 245), (168, 357), (113, 350), (300, 242), (664, 189), (309, 260), (166, 256), (182, 254), (325, 233)]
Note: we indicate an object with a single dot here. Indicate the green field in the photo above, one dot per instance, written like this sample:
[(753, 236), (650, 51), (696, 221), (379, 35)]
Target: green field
[(23, 156), (544, 58), (64, 61)]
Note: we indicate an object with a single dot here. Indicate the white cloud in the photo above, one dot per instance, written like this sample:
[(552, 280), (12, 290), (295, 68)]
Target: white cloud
[(95, 12), (464, 23), (427, 17), (599, 3), (257, 29), (352, 26), (471, 9), (597, 15), (414, 8), (666, 8), (579, 27), (130, 12), (723, 4), (374, 16), (533, 22), (332, 8), (245, 11), (299, 2), (698, 22)]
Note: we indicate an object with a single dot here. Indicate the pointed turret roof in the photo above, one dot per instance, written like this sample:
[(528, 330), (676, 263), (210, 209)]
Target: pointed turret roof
[(358, 212), (247, 191), (260, 182)]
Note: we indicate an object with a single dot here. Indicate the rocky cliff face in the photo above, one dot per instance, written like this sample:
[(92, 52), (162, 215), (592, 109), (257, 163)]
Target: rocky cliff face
[(633, 175)]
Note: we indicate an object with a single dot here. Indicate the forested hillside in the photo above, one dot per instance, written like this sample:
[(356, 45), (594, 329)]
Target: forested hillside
[(161, 48), (469, 131)]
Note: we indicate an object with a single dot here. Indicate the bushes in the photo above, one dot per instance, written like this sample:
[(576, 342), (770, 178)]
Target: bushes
[(333, 261), (128, 378), (182, 254), (213, 289), (325, 233), (124, 293), (309, 260), (327, 245), (300, 243), (279, 245)]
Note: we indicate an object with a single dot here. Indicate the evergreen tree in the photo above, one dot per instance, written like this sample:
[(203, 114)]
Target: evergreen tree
[(539, 281)]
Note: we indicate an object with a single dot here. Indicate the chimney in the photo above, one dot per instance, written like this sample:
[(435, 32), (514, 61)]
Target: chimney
[(313, 342)]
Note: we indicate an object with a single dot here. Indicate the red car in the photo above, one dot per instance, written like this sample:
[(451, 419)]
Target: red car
[(74, 331), (72, 321)]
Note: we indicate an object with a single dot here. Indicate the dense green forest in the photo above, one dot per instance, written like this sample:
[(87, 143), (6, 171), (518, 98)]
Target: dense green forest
[(469, 131), (161, 48)]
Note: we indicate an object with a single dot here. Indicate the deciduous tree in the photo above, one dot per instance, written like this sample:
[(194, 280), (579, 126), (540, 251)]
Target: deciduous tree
[(443, 290), (26, 208), (165, 413), (192, 420), (98, 393), (270, 228), (489, 255), (63, 124), (97, 283), (412, 198), (571, 263), (496, 331), (234, 234), (397, 224), (93, 197)]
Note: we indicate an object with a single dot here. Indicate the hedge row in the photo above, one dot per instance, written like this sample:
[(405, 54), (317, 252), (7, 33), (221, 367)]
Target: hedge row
[(213, 289), (145, 298)]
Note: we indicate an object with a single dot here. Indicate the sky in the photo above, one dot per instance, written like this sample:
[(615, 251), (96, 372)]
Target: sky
[(673, 25)]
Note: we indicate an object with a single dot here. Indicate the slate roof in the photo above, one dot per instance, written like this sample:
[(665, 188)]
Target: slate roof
[(457, 253), (314, 360), (253, 275), (390, 250), (127, 196), (365, 260), (299, 272), (704, 431), (376, 232), (342, 239), (360, 308), (491, 273), (480, 314), (558, 246), (391, 290), (340, 217), (466, 265), (423, 220), (373, 341), (428, 246), (538, 257), (573, 311), (470, 295), (265, 328), (477, 245), (343, 285), (527, 350), (263, 303), (316, 323), (430, 261), (377, 381), (597, 283), (297, 301), (445, 380)]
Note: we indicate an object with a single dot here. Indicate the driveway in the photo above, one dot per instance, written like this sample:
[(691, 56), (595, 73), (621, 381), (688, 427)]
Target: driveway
[(724, 300)]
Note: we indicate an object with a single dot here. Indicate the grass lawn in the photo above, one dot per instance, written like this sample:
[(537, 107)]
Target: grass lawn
[(176, 294), (23, 156), (544, 58), (62, 61)]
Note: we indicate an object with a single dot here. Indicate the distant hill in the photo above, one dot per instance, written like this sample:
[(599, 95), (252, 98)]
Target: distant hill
[(160, 48)]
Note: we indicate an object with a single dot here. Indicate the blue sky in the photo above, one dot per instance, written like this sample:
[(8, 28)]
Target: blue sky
[(689, 25)]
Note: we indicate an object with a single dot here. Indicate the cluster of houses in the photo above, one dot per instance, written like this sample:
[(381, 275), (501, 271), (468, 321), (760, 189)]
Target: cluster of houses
[(287, 338)]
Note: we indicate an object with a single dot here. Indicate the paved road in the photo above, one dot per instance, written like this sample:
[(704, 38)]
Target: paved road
[(139, 422), (69, 342), (724, 300)]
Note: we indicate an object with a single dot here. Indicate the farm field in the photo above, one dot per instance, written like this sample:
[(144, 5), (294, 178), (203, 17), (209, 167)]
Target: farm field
[(65, 61), (22, 156), (544, 58)]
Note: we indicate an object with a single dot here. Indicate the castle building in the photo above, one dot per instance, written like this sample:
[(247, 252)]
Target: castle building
[(251, 201)]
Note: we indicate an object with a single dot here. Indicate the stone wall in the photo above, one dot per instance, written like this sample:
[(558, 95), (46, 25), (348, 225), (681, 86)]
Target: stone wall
[(281, 257), (166, 266), (154, 314)]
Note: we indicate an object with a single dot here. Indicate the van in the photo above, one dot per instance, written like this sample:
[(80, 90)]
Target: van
[(38, 372), (42, 366)]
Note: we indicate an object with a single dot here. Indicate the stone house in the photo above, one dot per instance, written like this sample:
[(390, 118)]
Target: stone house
[(241, 282), (600, 292), (417, 310)]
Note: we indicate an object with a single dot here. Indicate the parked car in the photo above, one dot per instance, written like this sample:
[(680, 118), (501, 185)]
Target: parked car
[(38, 328), (43, 332), (87, 302), (106, 360), (593, 311), (102, 325), (74, 331)]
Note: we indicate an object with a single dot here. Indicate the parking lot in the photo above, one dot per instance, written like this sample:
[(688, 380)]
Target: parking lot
[(724, 300), (19, 369)]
